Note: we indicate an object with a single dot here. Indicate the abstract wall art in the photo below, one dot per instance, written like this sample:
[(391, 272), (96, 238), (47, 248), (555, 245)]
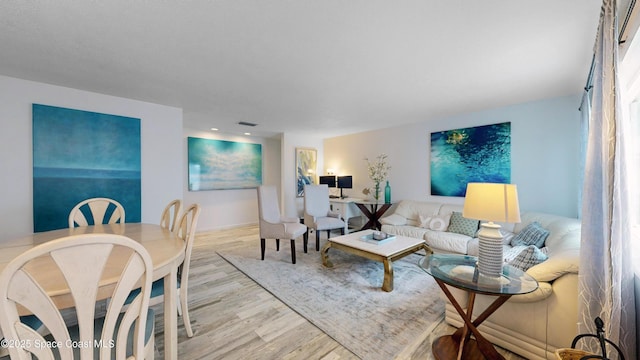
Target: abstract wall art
[(306, 160), (475, 154), (220, 164), (79, 155)]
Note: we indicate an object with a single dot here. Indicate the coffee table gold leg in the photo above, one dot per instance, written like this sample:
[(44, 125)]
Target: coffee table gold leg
[(427, 249), (325, 256), (387, 283)]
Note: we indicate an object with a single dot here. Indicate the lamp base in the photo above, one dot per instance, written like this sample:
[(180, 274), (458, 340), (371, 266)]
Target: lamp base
[(490, 257)]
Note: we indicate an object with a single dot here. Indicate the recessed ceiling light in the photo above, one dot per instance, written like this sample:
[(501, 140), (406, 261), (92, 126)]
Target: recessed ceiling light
[(247, 133), (214, 129)]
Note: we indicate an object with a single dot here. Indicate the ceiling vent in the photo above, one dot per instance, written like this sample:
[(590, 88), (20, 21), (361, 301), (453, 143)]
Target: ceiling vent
[(246, 123)]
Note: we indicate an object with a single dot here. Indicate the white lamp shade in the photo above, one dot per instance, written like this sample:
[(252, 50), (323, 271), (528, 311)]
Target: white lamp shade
[(492, 202)]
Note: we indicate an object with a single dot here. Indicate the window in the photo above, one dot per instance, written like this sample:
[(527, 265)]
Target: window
[(629, 77)]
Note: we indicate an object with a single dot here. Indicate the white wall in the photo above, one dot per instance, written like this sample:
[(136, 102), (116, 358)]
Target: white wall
[(234, 207), (544, 154), (161, 129)]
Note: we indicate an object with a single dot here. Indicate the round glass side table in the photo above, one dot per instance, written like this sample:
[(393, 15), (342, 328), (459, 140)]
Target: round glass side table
[(461, 271)]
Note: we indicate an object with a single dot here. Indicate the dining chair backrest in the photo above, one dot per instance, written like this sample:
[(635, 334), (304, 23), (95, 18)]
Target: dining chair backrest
[(99, 209), (186, 230), (84, 263), (170, 215)]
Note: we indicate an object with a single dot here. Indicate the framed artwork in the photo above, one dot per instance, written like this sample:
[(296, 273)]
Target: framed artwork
[(306, 160), (220, 164), (475, 154), (79, 155)]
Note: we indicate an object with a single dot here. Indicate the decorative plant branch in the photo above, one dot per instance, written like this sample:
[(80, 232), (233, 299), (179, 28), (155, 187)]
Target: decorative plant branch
[(378, 172)]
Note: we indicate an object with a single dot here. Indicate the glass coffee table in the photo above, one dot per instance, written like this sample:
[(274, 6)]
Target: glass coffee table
[(386, 253), (461, 271)]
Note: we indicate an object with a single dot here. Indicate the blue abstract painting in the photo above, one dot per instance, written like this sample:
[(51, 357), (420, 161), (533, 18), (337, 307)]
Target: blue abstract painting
[(475, 154), (79, 155), (221, 164)]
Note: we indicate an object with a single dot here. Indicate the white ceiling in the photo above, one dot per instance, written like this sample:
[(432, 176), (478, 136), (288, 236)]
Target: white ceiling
[(329, 67)]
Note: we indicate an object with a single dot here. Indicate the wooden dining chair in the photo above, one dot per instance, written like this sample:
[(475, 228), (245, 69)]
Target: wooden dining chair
[(99, 209), (185, 230), (83, 261), (170, 214)]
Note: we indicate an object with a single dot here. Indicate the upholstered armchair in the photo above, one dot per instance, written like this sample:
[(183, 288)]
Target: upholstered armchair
[(317, 212), (275, 226)]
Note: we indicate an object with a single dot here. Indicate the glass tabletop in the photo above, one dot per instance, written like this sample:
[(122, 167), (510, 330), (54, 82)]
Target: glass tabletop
[(461, 271)]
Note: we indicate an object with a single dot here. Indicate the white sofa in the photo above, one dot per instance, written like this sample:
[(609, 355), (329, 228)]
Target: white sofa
[(532, 325)]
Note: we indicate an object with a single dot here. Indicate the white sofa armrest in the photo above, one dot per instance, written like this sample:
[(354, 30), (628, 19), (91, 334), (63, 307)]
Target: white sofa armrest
[(543, 291), (558, 264)]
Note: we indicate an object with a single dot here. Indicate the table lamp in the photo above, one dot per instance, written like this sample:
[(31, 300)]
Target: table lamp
[(491, 202)]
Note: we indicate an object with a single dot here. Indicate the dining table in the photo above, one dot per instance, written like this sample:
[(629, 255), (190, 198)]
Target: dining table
[(167, 253)]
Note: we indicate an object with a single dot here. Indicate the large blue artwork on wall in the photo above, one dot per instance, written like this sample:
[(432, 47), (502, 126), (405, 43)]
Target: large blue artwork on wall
[(475, 154), (221, 164), (79, 155)]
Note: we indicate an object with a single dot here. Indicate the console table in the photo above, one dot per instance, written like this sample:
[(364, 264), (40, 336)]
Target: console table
[(461, 271), (373, 210)]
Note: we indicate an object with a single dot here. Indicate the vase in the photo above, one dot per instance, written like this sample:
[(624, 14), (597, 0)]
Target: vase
[(376, 192), (387, 193)]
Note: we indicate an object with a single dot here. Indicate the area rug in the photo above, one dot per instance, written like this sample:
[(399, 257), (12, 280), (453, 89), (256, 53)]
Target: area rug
[(346, 301)]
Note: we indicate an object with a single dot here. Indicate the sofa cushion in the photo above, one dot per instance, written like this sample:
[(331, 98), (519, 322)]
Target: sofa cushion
[(532, 234), (394, 219), (447, 241), (529, 257), (411, 209), (461, 225), (405, 230), (435, 222)]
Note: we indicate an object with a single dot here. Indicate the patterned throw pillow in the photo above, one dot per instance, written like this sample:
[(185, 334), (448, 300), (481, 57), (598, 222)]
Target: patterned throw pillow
[(461, 225), (532, 234), (528, 258)]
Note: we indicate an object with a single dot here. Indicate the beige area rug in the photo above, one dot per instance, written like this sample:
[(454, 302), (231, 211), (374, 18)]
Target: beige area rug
[(346, 301)]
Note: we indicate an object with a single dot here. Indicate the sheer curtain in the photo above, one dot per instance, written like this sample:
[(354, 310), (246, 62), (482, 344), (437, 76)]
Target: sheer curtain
[(585, 114), (606, 273)]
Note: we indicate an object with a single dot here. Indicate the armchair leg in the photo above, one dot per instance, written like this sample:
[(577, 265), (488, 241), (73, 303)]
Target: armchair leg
[(277, 244), (262, 246), (293, 251), (317, 240), (305, 241), (341, 231)]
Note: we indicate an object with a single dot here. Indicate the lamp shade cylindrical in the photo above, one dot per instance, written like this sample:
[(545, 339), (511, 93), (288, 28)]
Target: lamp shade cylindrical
[(492, 202)]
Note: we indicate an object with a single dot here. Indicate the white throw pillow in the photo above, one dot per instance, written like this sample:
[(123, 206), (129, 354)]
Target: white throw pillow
[(439, 222), (435, 222), (424, 220)]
